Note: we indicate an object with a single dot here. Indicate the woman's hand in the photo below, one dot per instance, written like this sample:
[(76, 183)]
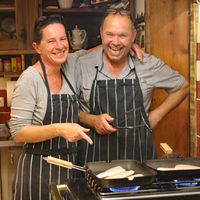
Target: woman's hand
[(73, 132), (136, 49)]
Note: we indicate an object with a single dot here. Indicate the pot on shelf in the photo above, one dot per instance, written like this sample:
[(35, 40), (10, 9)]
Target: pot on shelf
[(65, 3), (78, 38)]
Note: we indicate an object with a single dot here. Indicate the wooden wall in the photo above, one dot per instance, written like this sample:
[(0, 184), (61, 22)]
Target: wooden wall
[(167, 37)]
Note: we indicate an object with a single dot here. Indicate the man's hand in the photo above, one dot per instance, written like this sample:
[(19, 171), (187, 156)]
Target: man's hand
[(136, 49), (102, 124), (154, 119)]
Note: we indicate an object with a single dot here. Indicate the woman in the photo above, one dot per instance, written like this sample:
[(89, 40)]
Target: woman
[(44, 112)]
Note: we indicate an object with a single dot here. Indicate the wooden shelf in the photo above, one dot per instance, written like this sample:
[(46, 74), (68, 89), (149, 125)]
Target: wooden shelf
[(7, 9), (17, 52), (74, 10), (10, 74)]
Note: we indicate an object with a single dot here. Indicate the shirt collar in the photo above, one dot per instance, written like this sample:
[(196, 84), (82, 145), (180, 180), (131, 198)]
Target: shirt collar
[(99, 60)]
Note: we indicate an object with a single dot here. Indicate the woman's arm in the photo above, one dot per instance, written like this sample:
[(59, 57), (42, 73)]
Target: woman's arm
[(70, 131)]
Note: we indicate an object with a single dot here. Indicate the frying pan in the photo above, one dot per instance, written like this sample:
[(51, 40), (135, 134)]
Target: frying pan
[(94, 168), (175, 174), (91, 170)]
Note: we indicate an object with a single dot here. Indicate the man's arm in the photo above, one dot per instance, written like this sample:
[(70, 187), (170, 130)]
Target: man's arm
[(172, 100)]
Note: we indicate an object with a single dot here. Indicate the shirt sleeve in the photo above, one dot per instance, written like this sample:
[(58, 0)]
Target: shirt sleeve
[(79, 87), (69, 66), (153, 73), (23, 102), (73, 57), (163, 76)]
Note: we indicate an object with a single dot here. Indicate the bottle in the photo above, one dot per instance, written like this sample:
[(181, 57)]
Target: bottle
[(7, 65), (13, 64), (19, 64), (1, 65)]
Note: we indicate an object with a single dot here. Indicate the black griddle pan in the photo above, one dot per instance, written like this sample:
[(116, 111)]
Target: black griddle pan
[(175, 174), (94, 168)]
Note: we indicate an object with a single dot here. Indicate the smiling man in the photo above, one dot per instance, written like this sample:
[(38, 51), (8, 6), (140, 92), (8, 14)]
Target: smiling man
[(116, 90)]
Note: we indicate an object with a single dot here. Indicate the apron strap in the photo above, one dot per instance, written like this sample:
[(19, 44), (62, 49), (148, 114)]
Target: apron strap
[(140, 90), (46, 81), (95, 78), (45, 76), (67, 80)]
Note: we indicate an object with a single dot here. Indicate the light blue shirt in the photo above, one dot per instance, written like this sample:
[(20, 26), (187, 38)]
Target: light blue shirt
[(152, 73)]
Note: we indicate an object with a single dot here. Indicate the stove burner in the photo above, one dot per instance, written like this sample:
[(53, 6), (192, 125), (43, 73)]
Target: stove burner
[(125, 189), (78, 189), (187, 183)]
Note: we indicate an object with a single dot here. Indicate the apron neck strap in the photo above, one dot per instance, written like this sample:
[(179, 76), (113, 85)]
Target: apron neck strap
[(45, 76), (134, 69), (67, 80), (46, 81)]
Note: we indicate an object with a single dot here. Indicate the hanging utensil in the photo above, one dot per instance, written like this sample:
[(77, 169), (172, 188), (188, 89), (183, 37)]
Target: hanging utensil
[(63, 163)]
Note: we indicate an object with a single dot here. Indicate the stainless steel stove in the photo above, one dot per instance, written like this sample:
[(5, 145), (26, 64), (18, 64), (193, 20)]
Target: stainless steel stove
[(78, 189)]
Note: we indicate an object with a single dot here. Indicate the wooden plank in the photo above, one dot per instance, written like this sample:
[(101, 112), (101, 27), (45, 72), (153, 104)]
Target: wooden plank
[(10, 143), (17, 52), (168, 38), (21, 19), (31, 15), (8, 44)]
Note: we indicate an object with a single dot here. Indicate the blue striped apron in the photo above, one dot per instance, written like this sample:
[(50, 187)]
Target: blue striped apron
[(34, 174), (123, 100)]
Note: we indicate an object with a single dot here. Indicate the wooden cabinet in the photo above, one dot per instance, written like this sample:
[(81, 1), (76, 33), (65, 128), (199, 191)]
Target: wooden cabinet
[(85, 18), (9, 155), (16, 19), (88, 18)]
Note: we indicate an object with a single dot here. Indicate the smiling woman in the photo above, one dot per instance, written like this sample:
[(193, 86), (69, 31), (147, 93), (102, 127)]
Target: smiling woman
[(44, 112)]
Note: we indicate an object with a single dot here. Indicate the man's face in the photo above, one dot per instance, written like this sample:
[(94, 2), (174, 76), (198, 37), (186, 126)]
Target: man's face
[(117, 36)]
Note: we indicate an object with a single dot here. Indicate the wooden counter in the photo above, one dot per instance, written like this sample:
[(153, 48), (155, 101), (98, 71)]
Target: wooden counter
[(9, 143)]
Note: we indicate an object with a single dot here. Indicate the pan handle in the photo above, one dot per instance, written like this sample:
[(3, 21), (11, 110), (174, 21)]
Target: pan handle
[(63, 163), (58, 162)]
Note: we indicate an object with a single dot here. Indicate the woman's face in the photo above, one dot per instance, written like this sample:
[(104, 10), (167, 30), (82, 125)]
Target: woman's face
[(54, 46)]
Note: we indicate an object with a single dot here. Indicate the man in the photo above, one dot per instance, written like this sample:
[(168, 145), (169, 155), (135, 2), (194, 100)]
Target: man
[(116, 89)]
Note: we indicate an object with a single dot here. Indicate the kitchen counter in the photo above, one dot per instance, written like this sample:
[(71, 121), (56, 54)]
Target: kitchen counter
[(9, 143)]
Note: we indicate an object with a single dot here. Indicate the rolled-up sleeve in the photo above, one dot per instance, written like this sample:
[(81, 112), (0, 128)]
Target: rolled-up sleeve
[(163, 76), (153, 73)]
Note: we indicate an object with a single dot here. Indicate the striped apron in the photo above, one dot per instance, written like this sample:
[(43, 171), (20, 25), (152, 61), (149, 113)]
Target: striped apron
[(34, 174), (123, 100)]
